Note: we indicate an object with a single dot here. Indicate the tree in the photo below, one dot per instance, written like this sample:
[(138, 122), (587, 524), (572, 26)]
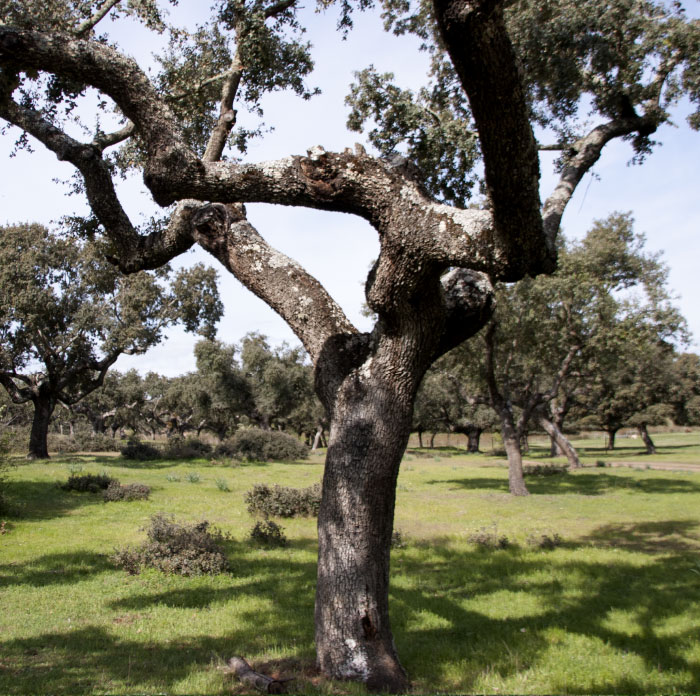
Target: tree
[(177, 126), (66, 309)]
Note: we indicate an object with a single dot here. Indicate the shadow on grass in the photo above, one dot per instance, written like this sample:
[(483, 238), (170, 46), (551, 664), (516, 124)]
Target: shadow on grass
[(54, 569), (547, 591), (580, 483), (574, 597), (42, 500), (649, 537)]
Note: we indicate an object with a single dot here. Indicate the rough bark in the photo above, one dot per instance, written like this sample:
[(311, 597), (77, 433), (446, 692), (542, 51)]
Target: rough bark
[(646, 438), (473, 434), (560, 440), (44, 405)]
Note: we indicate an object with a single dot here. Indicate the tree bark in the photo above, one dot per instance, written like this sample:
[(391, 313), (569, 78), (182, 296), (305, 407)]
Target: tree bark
[(370, 427), (560, 441), (610, 439), (646, 438), (511, 442), (44, 405)]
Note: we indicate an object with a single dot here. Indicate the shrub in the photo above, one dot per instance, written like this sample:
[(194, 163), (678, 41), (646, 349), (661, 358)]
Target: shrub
[(545, 541), (186, 448), (88, 483), (601, 463), (193, 477), (4, 466), (268, 533), (178, 549), (281, 501), (255, 444), (95, 442), (140, 451), (545, 469), (62, 444), (488, 538), (222, 485), (130, 491)]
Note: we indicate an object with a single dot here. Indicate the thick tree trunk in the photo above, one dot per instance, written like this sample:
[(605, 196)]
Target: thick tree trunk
[(369, 432), (511, 442), (473, 434), (432, 440), (561, 441), (646, 438), (420, 438), (317, 438), (43, 410), (610, 439)]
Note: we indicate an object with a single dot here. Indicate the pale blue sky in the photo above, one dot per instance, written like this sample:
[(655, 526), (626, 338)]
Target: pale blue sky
[(336, 248)]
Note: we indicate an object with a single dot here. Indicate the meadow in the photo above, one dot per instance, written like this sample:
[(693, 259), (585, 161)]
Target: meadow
[(589, 585)]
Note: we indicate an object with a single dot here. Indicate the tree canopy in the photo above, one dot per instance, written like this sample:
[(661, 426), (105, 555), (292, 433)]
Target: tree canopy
[(66, 315)]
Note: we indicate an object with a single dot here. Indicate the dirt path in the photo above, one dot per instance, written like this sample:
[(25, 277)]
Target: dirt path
[(664, 466)]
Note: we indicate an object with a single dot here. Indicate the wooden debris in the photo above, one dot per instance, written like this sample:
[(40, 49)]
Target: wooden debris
[(261, 682)]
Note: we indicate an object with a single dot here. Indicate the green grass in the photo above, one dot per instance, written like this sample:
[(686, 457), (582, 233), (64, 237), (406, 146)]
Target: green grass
[(615, 608)]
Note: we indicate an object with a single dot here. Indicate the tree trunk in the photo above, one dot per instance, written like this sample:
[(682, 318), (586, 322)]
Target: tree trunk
[(610, 439), (511, 442), (646, 438), (43, 410), (317, 438), (420, 439), (432, 440), (370, 427), (561, 441), (473, 434)]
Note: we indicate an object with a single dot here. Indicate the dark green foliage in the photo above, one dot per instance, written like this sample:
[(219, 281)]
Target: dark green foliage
[(547, 542), (178, 549), (488, 538), (268, 533), (282, 501), (62, 444), (130, 491), (545, 469), (88, 483), (186, 448), (255, 444), (140, 451)]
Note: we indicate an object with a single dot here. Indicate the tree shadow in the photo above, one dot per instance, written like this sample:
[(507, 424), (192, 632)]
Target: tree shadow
[(435, 607), (580, 483), (648, 537), (513, 640), (54, 569), (42, 500)]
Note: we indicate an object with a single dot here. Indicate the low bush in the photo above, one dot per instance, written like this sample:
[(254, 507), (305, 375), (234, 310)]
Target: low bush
[(545, 541), (545, 469), (95, 442), (255, 444), (178, 549), (140, 451), (186, 448), (88, 483), (488, 538), (267, 533), (61, 444), (397, 540), (130, 491), (282, 501)]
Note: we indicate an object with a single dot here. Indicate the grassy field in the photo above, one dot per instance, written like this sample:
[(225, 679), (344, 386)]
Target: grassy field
[(614, 608)]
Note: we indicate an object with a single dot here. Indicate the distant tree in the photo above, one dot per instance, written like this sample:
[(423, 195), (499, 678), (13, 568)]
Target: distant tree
[(66, 315), (445, 402), (684, 391)]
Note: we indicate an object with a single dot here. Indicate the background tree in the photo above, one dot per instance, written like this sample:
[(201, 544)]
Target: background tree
[(178, 126), (66, 315)]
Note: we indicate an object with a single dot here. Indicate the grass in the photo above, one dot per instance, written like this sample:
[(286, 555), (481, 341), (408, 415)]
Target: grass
[(614, 608)]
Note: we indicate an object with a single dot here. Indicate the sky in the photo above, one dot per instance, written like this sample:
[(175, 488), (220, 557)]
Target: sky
[(663, 194)]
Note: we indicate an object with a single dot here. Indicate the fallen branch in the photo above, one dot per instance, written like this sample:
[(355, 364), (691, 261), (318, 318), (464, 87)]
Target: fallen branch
[(261, 682)]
